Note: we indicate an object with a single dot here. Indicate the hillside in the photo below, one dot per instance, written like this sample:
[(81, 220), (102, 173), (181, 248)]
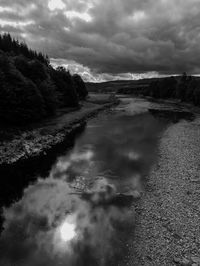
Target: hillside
[(184, 88), (30, 88), (114, 86)]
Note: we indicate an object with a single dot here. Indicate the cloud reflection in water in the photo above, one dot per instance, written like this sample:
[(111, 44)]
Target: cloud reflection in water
[(106, 161), (32, 228)]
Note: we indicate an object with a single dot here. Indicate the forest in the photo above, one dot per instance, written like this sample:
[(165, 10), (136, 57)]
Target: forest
[(30, 88), (186, 88)]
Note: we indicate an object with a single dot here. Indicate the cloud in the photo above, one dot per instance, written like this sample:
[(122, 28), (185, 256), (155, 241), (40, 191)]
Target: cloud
[(91, 76), (110, 38), (56, 4)]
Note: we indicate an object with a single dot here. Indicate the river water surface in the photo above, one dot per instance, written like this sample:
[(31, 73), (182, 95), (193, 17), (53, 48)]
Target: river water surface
[(82, 213)]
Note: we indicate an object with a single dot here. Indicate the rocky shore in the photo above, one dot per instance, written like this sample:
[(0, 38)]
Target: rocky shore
[(44, 137), (168, 214)]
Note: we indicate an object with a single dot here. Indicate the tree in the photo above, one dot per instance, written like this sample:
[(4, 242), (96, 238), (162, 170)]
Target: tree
[(30, 88), (168, 87), (80, 86), (20, 100), (189, 92), (37, 71), (7, 44), (64, 83), (196, 93), (49, 94)]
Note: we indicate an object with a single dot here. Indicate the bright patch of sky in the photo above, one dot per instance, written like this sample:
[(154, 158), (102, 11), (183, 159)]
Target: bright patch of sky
[(18, 10), (5, 9), (15, 24), (138, 16), (77, 15), (90, 76), (56, 4)]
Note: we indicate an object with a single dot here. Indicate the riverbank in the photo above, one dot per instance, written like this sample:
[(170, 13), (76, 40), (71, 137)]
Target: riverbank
[(168, 214), (39, 140)]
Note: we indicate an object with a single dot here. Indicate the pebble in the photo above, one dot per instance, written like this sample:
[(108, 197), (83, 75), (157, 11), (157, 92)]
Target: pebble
[(182, 261), (172, 208), (195, 259)]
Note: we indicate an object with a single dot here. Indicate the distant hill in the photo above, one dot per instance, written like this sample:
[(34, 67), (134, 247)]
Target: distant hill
[(185, 88), (114, 86)]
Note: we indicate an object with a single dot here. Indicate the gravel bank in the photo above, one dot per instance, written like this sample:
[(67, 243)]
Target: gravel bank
[(167, 228), (38, 141)]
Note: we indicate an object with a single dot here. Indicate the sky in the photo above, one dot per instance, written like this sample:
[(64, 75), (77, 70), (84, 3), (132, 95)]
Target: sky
[(110, 39)]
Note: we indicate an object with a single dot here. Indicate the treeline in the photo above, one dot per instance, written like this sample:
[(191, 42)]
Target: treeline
[(185, 88), (30, 88), (14, 47)]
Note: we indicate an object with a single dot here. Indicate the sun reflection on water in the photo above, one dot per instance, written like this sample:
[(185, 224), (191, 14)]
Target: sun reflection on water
[(66, 235), (67, 231)]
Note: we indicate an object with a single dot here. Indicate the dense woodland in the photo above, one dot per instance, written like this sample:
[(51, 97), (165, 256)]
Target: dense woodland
[(185, 88), (30, 88)]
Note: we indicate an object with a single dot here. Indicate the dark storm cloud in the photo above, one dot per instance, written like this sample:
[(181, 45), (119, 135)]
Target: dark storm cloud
[(111, 37)]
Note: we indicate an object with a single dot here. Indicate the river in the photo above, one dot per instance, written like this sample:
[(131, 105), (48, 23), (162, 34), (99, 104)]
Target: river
[(82, 212)]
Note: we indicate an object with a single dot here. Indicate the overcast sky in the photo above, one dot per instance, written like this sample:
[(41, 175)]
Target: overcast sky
[(106, 39)]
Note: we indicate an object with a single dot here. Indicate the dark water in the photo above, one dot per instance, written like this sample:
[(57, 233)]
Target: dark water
[(82, 213)]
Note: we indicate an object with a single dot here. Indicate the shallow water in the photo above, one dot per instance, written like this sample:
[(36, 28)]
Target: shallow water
[(82, 213)]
